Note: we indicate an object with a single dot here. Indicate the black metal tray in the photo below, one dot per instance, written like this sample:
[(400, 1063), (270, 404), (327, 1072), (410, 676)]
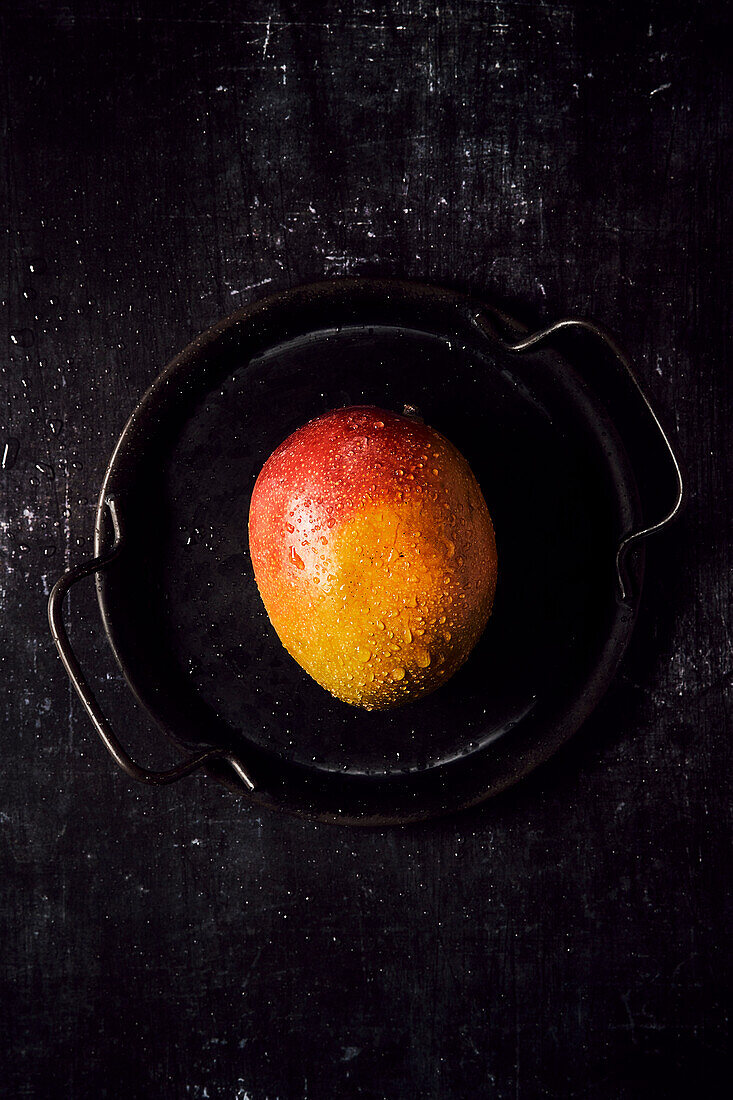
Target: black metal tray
[(177, 594)]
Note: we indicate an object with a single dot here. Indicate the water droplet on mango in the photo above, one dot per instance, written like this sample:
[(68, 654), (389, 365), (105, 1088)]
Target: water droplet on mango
[(296, 558)]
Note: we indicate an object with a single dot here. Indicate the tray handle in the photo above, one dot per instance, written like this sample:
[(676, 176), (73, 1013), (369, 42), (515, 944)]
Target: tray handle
[(80, 685), (602, 334)]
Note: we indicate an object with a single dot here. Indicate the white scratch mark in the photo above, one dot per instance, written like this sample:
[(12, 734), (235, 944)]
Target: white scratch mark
[(267, 36), (661, 88), (251, 286)]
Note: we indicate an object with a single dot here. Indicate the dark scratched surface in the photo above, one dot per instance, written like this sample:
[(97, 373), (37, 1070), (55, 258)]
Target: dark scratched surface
[(163, 164)]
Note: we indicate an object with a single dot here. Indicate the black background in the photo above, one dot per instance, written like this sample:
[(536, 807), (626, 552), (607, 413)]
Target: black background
[(163, 164)]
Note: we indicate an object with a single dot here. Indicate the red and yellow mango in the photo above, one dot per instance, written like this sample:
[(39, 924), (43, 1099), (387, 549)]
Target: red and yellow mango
[(374, 554)]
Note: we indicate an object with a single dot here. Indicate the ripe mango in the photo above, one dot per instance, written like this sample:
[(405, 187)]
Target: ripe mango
[(374, 554)]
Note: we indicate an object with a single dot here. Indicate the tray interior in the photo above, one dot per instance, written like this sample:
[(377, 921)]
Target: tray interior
[(195, 635)]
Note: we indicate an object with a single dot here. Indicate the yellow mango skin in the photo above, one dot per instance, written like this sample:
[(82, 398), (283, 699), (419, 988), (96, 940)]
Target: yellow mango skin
[(384, 604), (397, 619)]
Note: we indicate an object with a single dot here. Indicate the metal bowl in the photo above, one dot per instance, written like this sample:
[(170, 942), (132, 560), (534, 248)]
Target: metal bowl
[(175, 584)]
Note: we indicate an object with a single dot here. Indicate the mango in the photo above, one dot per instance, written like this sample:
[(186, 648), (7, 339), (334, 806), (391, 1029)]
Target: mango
[(374, 553)]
